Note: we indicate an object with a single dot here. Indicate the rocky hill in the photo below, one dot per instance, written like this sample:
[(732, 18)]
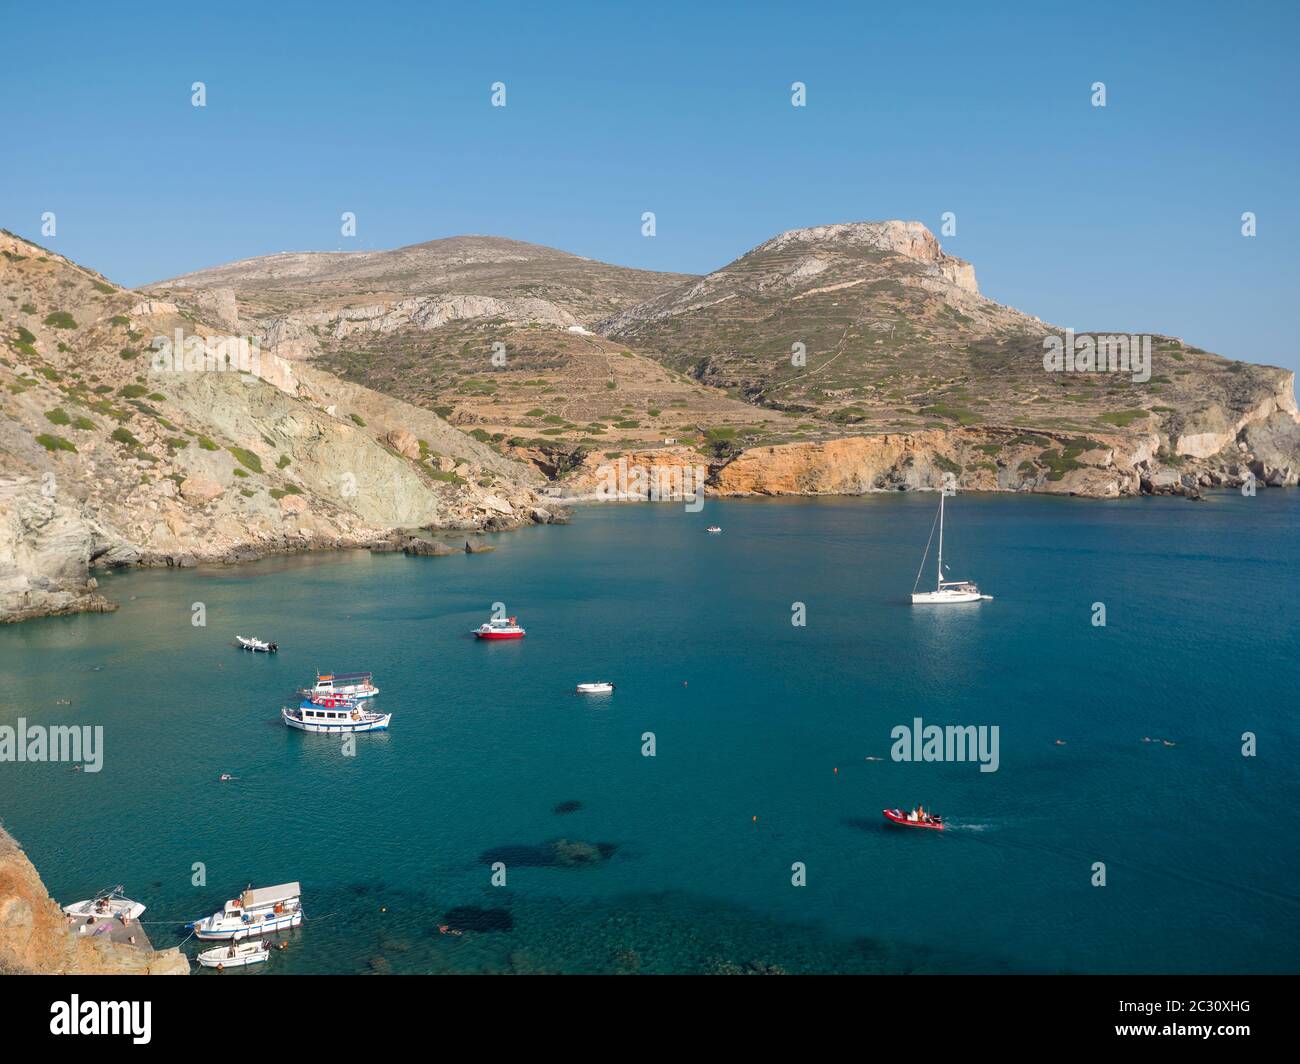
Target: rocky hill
[(896, 336), (36, 940), (492, 334), (870, 331), (136, 430), (422, 286), (864, 331), (444, 384)]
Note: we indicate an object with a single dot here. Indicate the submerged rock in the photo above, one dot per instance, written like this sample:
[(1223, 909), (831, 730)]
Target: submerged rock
[(571, 806), (562, 853), (572, 852)]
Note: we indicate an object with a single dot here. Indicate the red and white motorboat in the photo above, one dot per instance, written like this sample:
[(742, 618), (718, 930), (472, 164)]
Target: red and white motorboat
[(500, 628), (917, 818)]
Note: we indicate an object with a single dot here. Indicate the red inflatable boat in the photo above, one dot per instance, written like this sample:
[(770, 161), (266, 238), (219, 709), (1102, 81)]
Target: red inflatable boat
[(897, 816)]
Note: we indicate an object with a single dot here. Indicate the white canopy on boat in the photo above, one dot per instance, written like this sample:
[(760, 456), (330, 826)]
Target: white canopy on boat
[(255, 899)]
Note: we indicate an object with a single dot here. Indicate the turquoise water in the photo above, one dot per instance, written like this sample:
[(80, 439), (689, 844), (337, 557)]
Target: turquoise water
[(752, 717)]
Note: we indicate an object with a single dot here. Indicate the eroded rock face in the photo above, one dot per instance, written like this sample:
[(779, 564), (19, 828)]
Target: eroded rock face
[(974, 459), (1211, 429), (35, 938), (45, 551), (910, 239), (1275, 445), (666, 474)]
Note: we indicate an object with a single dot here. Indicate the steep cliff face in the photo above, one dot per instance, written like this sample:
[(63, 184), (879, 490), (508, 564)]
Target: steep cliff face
[(35, 938), (45, 552), (1207, 429), (972, 460), (1099, 465)]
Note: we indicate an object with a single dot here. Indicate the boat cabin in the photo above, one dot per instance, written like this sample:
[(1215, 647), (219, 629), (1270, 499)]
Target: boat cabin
[(310, 711), (276, 899)]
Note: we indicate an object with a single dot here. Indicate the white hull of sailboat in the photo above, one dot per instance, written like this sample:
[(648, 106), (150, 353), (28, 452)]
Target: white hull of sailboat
[(944, 598)]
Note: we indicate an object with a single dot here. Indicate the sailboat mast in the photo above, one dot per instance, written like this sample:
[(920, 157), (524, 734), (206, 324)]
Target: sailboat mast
[(939, 583)]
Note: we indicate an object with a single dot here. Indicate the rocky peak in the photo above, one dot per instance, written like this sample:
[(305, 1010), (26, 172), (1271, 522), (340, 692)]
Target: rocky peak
[(911, 240)]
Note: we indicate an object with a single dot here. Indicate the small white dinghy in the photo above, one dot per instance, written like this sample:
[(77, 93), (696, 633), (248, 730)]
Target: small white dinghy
[(715, 529), (602, 687), (236, 955), (259, 645)]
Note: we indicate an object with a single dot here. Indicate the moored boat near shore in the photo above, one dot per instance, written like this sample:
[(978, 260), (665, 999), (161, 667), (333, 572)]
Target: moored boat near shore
[(108, 903), (254, 912), (236, 955), (259, 645)]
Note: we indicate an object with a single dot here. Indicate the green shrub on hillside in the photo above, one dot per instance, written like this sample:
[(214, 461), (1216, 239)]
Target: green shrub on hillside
[(246, 458), (55, 443)]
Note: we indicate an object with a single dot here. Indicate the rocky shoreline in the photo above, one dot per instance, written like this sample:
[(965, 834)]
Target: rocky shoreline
[(35, 938), (985, 459), (56, 555), (50, 551)]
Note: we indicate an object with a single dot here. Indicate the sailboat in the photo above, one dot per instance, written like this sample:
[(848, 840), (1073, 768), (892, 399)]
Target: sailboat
[(945, 591)]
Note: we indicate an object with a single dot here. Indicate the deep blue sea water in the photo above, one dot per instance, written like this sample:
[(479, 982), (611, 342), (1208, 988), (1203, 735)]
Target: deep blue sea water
[(753, 718)]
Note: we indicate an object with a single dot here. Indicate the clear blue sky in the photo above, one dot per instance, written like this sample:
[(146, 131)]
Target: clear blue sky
[(1126, 217)]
